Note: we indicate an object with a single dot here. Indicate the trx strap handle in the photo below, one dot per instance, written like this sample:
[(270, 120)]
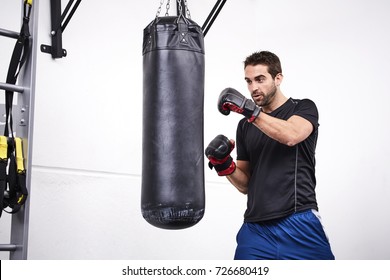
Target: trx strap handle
[(19, 194), (16, 193)]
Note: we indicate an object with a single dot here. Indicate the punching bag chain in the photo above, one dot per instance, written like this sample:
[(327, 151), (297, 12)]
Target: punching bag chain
[(187, 11), (180, 8), (167, 8), (168, 5)]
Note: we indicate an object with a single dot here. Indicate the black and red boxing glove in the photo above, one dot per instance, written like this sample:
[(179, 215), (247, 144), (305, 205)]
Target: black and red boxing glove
[(231, 100), (218, 153)]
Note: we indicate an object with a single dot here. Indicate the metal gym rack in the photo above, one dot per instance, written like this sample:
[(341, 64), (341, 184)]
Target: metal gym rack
[(23, 112)]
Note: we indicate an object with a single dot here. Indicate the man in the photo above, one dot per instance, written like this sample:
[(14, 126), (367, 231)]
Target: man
[(275, 166)]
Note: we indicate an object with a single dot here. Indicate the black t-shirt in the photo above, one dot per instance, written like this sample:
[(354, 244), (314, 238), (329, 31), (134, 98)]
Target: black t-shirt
[(282, 177)]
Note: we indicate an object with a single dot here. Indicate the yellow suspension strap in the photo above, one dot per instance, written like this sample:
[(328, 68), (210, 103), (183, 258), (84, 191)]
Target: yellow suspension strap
[(21, 171), (16, 194), (3, 169)]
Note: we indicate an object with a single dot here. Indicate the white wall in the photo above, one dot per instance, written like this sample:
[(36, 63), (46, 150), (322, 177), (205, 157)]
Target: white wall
[(86, 175)]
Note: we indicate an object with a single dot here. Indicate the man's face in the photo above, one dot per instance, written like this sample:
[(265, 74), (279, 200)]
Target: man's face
[(260, 83)]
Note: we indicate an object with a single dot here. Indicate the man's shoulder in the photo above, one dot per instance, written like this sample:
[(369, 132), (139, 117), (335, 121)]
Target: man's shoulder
[(302, 101)]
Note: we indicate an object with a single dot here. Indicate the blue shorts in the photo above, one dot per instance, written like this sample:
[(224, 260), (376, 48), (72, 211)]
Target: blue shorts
[(299, 236)]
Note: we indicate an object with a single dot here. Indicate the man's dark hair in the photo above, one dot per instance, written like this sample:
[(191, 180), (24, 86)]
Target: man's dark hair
[(265, 58)]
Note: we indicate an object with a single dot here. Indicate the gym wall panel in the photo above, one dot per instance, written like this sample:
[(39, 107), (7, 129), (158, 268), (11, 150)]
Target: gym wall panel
[(87, 215)]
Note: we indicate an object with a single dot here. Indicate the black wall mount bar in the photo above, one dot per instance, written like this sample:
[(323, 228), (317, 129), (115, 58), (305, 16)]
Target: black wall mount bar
[(212, 16), (58, 24)]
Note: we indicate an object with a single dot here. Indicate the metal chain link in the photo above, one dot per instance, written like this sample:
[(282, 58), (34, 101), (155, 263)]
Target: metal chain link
[(168, 6), (187, 9), (180, 7), (159, 8)]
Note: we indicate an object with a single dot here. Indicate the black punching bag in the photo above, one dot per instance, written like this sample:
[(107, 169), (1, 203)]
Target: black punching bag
[(173, 195)]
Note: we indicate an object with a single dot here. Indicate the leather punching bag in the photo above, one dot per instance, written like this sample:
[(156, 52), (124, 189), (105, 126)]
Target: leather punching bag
[(173, 195)]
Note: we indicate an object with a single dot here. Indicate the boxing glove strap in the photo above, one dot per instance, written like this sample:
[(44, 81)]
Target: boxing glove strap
[(255, 114), (225, 168)]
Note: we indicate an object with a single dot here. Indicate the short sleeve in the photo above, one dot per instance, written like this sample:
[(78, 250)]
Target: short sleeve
[(307, 109), (240, 143)]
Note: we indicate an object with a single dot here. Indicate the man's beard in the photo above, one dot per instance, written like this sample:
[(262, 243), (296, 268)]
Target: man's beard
[(267, 98)]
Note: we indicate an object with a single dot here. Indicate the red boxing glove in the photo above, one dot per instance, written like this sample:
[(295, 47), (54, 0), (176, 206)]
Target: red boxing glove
[(218, 153), (231, 100)]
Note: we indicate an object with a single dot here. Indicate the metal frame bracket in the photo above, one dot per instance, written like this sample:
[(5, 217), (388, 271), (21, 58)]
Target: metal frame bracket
[(59, 21)]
